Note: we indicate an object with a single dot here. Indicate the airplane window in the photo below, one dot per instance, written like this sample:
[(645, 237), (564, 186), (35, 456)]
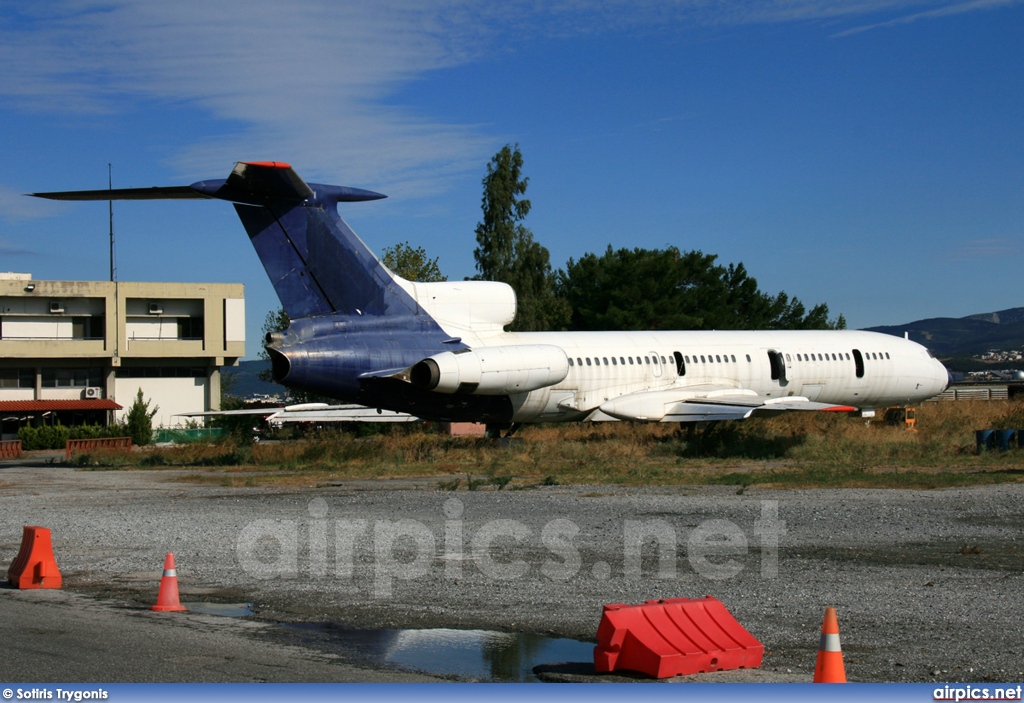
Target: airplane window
[(686, 359), (820, 358), (847, 356), (663, 359), (799, 357), (622, 361), (788, 358), (605, 360), (579, 361), (630, 360), (647, 359), (614, 362), (570, 361), (887, 355), (718, 358), (702, 358), (748, 358), (588, 361)]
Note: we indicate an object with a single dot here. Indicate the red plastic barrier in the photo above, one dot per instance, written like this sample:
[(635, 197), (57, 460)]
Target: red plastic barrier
[(35, 567), (674, 637), (77, 445), (10, 449)]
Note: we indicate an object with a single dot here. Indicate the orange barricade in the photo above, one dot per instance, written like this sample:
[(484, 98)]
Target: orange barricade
[(35, 567), (80, 445), (10, 449), (674, 637)]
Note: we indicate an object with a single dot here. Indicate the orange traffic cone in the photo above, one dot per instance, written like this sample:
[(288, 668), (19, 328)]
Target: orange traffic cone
[(829, 668), (167, 598)]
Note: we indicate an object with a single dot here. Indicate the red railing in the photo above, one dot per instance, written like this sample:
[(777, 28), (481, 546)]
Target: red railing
[(80, 445)]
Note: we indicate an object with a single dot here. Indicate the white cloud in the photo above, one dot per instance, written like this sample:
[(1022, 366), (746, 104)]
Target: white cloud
[(947, 9), (15, 206), (315, 82), (988, 248)]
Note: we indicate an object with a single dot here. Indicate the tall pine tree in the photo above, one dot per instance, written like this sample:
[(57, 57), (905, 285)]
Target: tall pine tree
[(507, 252)]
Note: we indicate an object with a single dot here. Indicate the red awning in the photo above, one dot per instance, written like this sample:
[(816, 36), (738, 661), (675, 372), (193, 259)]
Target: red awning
[(42, 406)]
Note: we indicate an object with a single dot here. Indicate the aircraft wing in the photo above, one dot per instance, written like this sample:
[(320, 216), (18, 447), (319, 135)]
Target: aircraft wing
[(705, 403), (314, 412)]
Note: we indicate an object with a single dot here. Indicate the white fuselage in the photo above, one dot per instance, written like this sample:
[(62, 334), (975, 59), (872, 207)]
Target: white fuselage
[(860, 369)]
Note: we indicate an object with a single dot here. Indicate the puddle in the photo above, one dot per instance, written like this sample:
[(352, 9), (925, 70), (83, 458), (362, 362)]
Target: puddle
[(228, 610), (471, 654)]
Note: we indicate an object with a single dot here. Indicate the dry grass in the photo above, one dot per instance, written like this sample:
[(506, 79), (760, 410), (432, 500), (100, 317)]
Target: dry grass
[(793, 450)]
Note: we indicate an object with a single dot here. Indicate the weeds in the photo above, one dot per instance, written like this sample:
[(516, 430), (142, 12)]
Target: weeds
[(793, 450)]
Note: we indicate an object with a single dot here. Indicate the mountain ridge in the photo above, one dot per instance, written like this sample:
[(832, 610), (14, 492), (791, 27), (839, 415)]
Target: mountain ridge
[(973, 334)]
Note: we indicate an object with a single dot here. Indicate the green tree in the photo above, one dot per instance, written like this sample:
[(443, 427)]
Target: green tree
[(412, 264), (669, 289), (506, 250), (139, 421), (275, 321)]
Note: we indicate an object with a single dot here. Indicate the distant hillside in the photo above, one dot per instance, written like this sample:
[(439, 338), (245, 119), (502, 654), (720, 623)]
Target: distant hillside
[(243, 380), (948, 336)]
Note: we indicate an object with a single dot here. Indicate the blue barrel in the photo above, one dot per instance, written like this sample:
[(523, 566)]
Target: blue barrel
[(1003, 439), (986, 439)]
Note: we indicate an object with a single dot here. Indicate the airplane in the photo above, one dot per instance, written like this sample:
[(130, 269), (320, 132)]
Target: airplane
[(440, 351)]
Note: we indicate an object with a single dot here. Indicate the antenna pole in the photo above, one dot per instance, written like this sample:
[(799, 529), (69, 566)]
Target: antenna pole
[(110, 203)]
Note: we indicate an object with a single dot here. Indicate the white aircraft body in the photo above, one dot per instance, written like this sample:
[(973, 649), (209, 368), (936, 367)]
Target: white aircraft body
[(439, 351)]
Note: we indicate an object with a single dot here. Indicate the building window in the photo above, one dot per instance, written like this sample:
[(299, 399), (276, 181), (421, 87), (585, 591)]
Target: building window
[(161, 372), (190, 328), (17, 378), (91, 327), (72, 378)]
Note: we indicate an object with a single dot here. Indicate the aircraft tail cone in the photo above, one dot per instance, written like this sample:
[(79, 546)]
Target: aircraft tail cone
[(167, 599), (829, 667)]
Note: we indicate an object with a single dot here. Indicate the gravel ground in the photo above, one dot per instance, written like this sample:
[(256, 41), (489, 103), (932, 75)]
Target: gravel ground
[(927, 584)]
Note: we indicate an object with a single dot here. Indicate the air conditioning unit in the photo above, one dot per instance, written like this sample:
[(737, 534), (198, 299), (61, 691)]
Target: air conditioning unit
[(156, 309), (93, 393), (56, 307)]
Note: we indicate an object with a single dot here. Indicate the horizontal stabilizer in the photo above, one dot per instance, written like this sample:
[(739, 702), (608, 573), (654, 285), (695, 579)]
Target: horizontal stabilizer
[(165, 193), (253, 183)]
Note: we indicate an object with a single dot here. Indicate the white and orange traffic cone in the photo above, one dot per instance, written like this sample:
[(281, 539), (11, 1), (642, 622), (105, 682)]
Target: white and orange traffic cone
[(829, 667), (167, 599)]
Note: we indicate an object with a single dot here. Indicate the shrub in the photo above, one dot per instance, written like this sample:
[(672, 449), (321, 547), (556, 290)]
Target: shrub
[(139, 421)]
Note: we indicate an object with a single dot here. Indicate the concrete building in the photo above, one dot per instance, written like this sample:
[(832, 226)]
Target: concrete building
[(79, 351)]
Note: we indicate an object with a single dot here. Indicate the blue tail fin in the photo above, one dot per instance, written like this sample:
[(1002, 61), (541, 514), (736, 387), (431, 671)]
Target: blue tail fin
[(318, 265), (315, 262)]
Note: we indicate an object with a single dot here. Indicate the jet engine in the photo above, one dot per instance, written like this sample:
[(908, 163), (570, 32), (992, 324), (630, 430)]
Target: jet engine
[(491, 370)]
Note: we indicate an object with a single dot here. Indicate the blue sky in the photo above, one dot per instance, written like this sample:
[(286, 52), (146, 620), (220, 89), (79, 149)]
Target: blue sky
[(865, 154)]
